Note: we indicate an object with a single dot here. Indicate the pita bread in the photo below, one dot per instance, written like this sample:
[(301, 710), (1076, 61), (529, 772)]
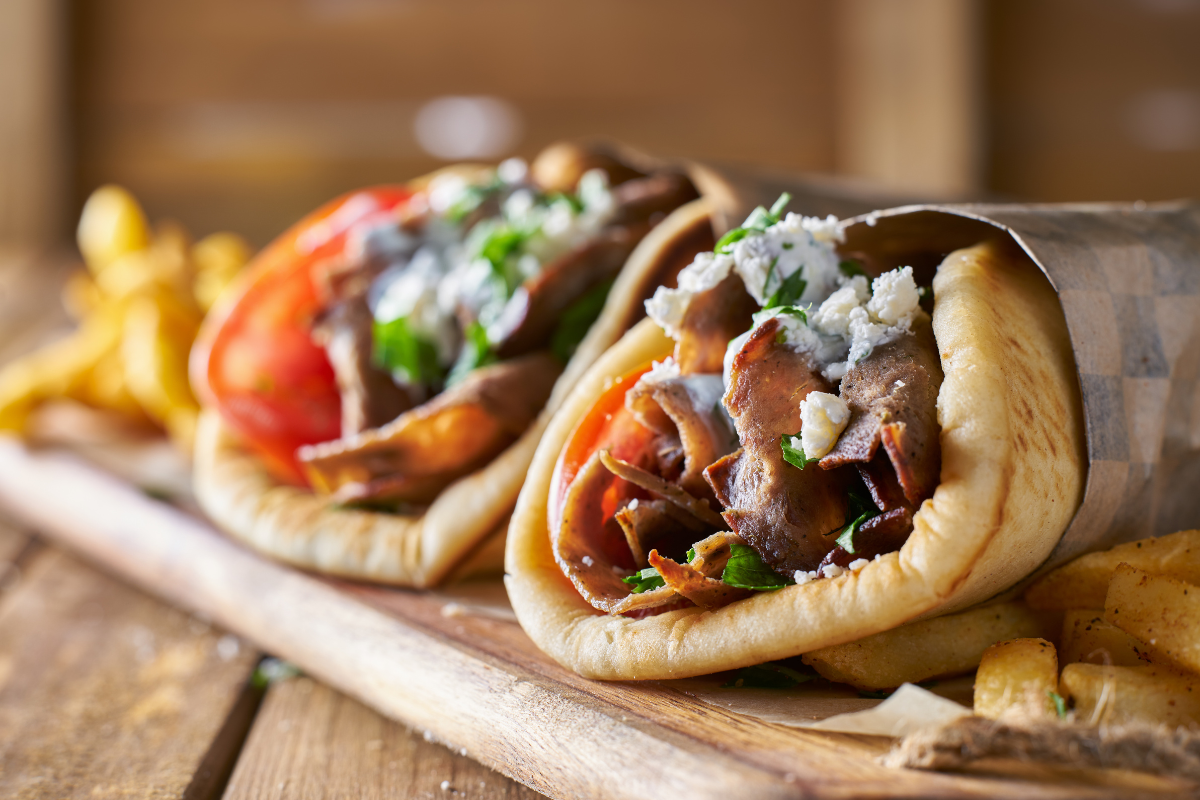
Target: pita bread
[(451, 538), (1012, 477)]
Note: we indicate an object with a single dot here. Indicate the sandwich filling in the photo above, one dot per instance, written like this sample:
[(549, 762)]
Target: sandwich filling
[(791, 437)]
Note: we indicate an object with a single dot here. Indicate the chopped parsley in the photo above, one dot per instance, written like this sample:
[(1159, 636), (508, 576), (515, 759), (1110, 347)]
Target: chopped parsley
[(472, 198), (576, 321), (793, 452), (691, 554), (859, 508), (1060, 705), (645, 580), (746, 570), (476, 352), (851, 267), (759, 220), (767, 676), (405, 352), (790, 291)]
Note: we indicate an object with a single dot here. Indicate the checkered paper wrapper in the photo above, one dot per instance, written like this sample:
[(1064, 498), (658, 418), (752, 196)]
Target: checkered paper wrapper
[(1128, 278)]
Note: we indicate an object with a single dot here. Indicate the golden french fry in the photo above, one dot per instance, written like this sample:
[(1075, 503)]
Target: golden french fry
[(1083, 583), (80, 295), (156, 341), (1114, 695), (112, 225), (66, 368), (1017, 676), (217, 258), (930, 648), (1088, 639), (1162, 612)]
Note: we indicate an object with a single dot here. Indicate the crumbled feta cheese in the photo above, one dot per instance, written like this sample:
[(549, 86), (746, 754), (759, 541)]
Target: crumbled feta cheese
[(668, 306), (632, 504), (588, 561), (831, 570), (858, 564), (513, 170), (894, 297), (445, 191), (801, 577), (833, 317), (823, 417), (412, 292), (794, 243)]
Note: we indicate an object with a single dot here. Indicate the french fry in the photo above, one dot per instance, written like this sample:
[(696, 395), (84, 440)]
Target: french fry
[(156, 341), (112, 225), (1017, 676), (930, 648), (1088, 639), (218, 258), (1162, 612), (1083, 583), (1115, 695)]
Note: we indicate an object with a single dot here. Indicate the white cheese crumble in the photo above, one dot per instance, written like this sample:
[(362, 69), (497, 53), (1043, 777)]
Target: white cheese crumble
[(848, 326), (766, 260), (801, 577), (668, 306), (831, 570), (823, 417), (412, 292), (858, 564)]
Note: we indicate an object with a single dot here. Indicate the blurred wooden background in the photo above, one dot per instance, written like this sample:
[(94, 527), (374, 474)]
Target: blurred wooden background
[(235, 115)]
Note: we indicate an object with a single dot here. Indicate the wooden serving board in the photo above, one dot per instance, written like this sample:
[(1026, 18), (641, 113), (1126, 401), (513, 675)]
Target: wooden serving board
[(472, 679)]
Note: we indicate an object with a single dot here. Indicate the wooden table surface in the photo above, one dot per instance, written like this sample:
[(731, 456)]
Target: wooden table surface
[(106, 692)]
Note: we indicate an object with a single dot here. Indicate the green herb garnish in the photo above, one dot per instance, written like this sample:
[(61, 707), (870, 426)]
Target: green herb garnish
[(476, 352), (644, 581), (793, 452), (746, 570), (403, 351), (852, 267), (789, 292), (472, 198), (1060, 705), (859, 508), (576, 321), (691, 553), (767, 676), (759, 220)]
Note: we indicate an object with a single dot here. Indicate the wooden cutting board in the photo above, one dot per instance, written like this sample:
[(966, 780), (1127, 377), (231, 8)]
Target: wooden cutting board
[(466, 674)]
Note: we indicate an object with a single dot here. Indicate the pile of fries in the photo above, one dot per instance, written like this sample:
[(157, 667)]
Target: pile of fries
[(1130, 642), (138, 304)]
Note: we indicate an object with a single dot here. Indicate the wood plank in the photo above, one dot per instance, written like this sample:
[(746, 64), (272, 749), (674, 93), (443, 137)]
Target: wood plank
[(17, 548), (105, 692), (310, 741), (473, 681)]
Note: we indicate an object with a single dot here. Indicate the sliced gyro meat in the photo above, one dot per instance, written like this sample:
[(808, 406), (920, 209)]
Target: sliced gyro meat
[(687, 411), (536, 306), (713, 318), (892, 395), (651, 198), (885, 533), (427, 448), (783, 512), (688, 582), (370, 398)]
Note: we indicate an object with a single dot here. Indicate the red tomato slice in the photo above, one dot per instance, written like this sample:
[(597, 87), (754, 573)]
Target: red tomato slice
[(255, 360), (607, 426)]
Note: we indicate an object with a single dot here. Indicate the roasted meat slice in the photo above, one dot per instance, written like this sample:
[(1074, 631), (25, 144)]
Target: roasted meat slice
[(878, 535), (687, 412), (370, 398), (783, 512), (535, 308), (421, 452), (689, 582), (651, 198), (892, 395), (712, 319)]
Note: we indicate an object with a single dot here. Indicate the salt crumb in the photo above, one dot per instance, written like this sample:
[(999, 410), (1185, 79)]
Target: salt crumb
[(858, 564), (900, 384), (445, 786), (588, 561)]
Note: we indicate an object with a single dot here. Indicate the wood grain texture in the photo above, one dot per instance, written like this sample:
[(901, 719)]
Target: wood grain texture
[(473, 681), (105, 692), (310, 742)]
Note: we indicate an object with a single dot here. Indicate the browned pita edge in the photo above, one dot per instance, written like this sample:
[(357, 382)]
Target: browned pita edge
[(1012, 477), (453, 536)]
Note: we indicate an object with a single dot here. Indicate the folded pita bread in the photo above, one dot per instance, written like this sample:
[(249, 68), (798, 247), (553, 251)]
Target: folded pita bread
[(1012, 477), (304, 529)]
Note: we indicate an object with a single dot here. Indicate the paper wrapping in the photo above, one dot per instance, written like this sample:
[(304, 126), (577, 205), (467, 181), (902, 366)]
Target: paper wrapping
[(1128, 278)]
